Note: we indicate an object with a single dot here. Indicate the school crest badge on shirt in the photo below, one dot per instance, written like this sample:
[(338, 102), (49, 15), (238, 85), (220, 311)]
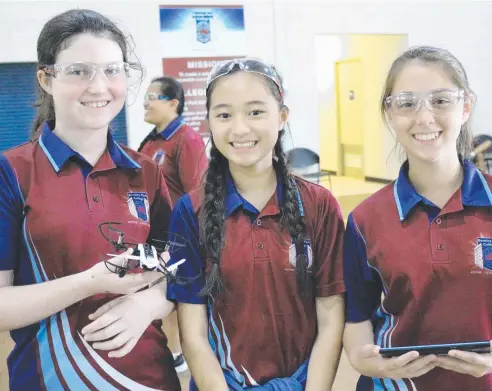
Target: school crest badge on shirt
[(483, 253), (159, 157), (308, 251), (138, 205)]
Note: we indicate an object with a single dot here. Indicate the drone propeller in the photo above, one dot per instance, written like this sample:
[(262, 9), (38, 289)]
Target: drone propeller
[(147, 256)]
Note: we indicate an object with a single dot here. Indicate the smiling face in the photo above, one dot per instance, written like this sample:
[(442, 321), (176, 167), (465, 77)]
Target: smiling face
[(245, 119), (87, 104), (158, 111), (429, 132)]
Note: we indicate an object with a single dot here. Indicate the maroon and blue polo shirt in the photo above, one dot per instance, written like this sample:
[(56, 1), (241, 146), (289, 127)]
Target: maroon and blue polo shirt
[(180, 151), (431, 266), (51, 204), (260, 328)]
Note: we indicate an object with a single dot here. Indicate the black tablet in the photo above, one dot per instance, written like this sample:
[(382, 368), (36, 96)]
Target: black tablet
[(477, 347)]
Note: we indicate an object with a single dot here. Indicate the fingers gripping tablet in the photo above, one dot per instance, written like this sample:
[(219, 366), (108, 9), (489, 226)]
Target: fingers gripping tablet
[(477, 347)]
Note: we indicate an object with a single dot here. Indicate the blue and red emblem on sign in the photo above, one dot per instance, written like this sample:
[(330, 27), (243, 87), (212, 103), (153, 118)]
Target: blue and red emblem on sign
[(138, 204), (203, 33)]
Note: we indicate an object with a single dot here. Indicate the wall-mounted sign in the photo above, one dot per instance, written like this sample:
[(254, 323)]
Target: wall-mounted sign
[(189, 31)]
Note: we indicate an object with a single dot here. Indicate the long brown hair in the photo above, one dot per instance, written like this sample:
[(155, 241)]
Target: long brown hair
[(456, 71), (56, 35)]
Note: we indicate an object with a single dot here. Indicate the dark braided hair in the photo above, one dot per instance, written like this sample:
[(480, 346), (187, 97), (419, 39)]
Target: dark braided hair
[(291, 216), (213, 214)]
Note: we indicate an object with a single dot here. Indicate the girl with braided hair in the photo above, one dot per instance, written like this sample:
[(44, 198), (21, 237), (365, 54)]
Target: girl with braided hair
[(265, 306)]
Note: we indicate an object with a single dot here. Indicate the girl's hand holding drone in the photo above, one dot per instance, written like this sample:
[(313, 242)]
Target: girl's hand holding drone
[(102, 279)]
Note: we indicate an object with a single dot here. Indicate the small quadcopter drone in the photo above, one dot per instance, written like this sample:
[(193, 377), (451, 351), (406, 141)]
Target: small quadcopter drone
[(145, 256)]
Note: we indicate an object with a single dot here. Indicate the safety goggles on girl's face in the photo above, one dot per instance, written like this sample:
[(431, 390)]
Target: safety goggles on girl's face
[(438, 101), (84, 72), (248, 65)]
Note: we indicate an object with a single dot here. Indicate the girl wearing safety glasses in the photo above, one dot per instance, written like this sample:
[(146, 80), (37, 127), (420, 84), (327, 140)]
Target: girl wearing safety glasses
[(57, 298), (423, 242), (265, 310), (180, 151), (173, 144)]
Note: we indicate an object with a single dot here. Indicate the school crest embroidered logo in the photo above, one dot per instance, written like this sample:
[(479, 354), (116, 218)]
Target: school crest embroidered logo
[(138, 204), (159, 157), (308, 251), (483, 253)]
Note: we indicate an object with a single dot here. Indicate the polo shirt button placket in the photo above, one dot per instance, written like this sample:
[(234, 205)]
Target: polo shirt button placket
[(438, 239), (94, 193)]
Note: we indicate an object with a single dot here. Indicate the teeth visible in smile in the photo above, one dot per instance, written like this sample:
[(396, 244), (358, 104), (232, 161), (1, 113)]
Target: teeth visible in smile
[(247, 144), (426, 136), (95, 105)]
